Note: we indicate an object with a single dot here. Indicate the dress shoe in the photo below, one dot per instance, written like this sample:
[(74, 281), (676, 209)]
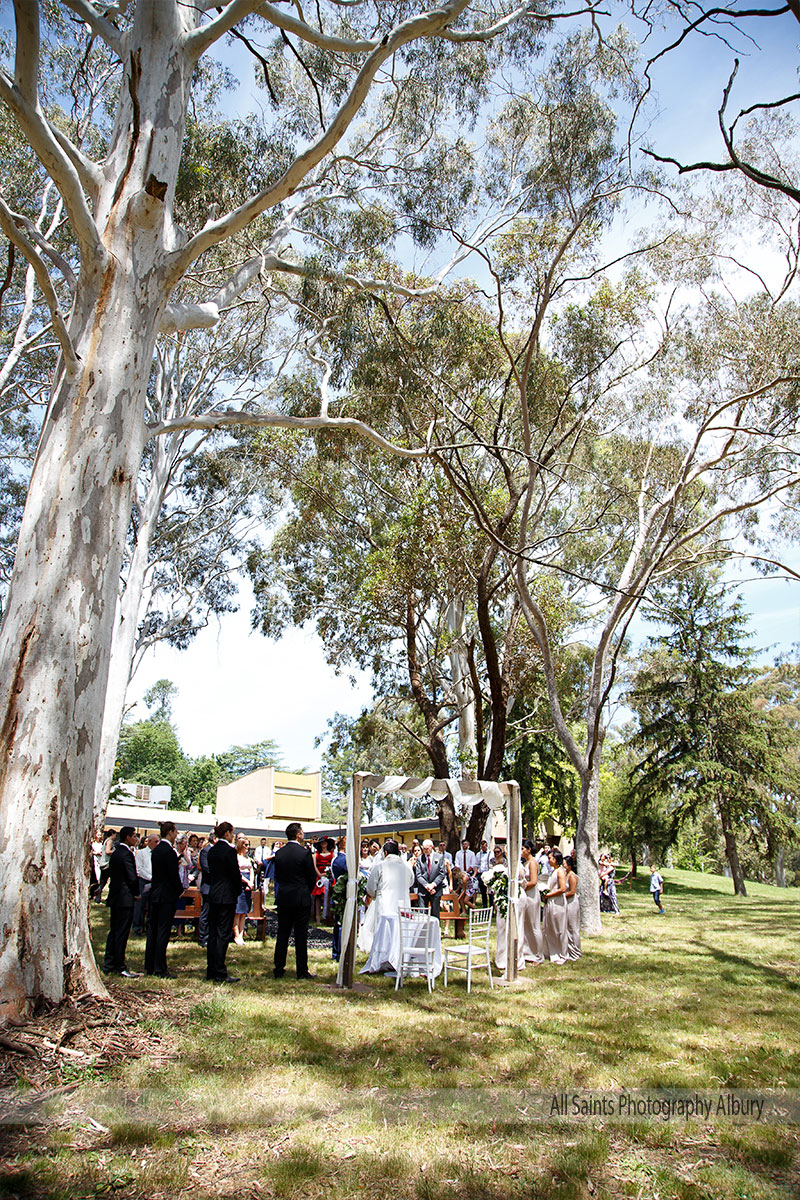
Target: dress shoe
[(228, 979), (110, 971), (126, 974), (278, 974), (165, 975), (308, 975)]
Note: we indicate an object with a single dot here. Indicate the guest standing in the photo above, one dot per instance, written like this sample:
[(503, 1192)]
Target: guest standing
[(573, 910), (430, 876), (123, 891), (224, 889), (338, 869), (294, 878), (530, 907), (205, 888), (165, 891), (245, 897), (555, 913), (144, 872)]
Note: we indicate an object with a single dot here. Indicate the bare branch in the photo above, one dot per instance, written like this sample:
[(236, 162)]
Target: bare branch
[(256, 420), (22, 99), (99, 24), (26, 246)]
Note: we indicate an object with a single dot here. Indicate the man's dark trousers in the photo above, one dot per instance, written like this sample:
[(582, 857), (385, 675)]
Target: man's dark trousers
[(165, 888), (118, 932), (162, 914), (122, 894), (220, 923), (295, 919)]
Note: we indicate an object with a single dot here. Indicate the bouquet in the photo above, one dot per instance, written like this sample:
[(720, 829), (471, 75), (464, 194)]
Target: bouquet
[(496, 878), (339, 896)]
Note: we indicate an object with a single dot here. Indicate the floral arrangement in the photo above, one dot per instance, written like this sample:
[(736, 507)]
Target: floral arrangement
[(339, 895), (496, 878)]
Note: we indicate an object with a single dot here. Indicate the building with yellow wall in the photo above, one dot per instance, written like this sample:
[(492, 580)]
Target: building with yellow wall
[(269, 796)]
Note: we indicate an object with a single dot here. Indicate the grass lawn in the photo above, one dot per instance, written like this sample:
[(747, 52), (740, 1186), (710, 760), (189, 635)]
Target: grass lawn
[(295, 1090)]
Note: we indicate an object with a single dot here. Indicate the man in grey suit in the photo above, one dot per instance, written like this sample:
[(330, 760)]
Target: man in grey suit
[(430, 876)]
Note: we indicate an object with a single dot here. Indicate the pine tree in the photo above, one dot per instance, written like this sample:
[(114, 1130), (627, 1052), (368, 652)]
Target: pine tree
[(704, 739)]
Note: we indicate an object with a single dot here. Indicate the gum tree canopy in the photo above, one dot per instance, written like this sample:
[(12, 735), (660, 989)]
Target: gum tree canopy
[(355, 90)]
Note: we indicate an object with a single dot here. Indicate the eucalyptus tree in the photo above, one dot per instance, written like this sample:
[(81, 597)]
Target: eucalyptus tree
[(648, 415), (376, 553), (198, 505), (133, 260)]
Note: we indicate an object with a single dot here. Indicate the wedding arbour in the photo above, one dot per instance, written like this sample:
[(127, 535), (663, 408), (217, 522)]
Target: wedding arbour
[(465, 792)]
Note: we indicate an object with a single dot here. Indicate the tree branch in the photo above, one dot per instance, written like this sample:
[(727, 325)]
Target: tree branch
[(23, 101), (255, 420), (23, 243), (424, 25), (99, 25)]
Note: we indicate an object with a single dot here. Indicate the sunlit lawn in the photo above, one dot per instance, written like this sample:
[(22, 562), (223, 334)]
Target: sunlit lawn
[(294, 1089)]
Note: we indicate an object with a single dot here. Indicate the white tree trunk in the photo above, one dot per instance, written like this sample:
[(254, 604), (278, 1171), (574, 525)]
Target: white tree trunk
[(587, 849), (130, 606), (56, 636), (462, 688)]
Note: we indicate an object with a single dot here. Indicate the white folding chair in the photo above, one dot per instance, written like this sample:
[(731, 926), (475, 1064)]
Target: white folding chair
[(416, 951), (476, 951)]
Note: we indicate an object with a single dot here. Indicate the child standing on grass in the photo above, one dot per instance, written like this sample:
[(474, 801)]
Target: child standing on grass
[(656, 887)]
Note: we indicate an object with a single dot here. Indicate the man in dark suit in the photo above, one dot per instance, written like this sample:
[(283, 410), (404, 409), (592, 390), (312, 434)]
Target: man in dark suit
[(205, 888), (295, 877), (430, 876), (225, 886), (165, 889), (123, 892)]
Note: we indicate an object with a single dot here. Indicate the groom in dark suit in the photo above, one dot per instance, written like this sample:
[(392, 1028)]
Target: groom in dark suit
[(430, 876), (295, 877), (123, 892), (224, 889), (165, 890)]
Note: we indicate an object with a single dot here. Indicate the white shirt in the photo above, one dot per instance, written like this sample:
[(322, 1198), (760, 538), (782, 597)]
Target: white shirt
[(466, 860), (261, 854), (144, 864), (484, 858), (544, 865)]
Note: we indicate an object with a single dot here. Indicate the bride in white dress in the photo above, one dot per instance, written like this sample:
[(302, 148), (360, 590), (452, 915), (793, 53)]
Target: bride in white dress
[(389, 884)]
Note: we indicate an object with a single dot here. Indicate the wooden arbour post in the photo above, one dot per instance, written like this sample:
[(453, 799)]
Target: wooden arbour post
[(348, 951)]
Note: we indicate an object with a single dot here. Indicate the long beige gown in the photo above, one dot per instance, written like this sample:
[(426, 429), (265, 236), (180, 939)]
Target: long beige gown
[(555, 922), (573, 927), (530, 920)]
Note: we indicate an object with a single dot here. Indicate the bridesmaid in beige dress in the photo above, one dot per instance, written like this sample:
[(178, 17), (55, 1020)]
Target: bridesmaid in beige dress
[(573, 911), (530, 906), (555, 912)]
